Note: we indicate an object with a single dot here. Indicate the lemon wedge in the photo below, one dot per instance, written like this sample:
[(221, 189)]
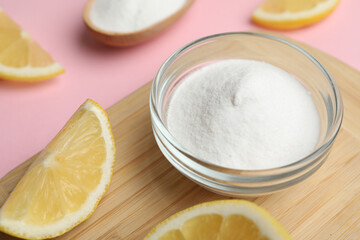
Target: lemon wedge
[(21, 58), (66, 181), (220, 220), (291, 14)]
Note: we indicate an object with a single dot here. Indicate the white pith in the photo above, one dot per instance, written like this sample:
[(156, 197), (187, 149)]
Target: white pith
[(19, 228), (29, 71)]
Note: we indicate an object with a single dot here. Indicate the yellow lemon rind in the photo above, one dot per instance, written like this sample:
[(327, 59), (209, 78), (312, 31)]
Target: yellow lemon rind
[(13, 227), (265, 222), (293, 20), (30, 74)]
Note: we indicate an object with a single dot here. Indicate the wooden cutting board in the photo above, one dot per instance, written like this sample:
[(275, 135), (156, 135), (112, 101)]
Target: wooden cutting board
[(146, 189)]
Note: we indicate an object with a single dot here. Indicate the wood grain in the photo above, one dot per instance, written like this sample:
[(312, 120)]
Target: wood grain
[(146, 189)]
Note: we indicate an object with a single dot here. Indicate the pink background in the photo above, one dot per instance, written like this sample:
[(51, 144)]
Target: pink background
[(32, 114)]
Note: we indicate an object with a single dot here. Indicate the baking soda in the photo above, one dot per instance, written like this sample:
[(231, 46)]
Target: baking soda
[(126, 16), (243, 114)]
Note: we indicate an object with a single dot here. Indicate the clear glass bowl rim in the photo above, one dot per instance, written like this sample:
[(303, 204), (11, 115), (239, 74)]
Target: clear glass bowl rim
[(156, 115)]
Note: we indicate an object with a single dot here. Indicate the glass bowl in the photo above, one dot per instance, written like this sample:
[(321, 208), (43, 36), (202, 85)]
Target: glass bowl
[(255, 46)]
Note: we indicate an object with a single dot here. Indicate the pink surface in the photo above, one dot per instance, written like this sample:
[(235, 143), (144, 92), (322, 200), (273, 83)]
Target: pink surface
[(31, 114)]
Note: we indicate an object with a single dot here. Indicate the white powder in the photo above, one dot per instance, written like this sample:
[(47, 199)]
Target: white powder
[(243, 114), (125, 16)]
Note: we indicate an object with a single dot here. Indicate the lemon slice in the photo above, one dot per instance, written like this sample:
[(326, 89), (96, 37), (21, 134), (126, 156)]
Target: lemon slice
[(67, 180), (291, 14), (220, 220), (21, 58)]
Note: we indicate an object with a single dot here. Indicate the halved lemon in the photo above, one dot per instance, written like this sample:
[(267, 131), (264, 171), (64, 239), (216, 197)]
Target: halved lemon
[(67, 180), (291, 14), (21, 58), (220, 220)]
